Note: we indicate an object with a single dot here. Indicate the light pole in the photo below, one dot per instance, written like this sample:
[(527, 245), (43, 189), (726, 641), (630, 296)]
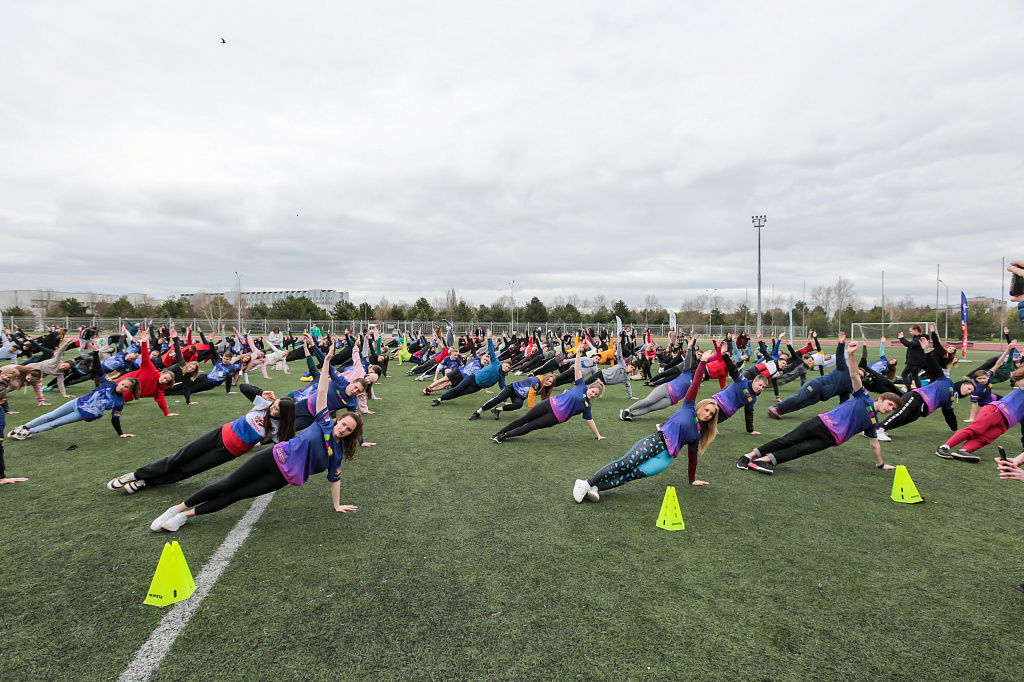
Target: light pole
[(945, 334), (759, 221), (238, 302), (712, 293), (512, 315)]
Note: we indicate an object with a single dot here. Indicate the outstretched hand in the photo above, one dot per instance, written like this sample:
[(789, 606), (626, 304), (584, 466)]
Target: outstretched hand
[(345, 508)]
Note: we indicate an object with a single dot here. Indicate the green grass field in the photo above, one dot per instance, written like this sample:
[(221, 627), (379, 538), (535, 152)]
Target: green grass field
[(469, 560)]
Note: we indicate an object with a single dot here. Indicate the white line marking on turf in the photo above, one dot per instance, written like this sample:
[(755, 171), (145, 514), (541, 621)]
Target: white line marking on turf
[(150, 655)]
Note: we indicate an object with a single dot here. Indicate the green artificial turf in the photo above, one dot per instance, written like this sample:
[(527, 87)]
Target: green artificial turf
[(469, 560)]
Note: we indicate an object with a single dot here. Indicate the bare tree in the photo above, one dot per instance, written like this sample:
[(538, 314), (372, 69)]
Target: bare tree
[(558, 302), (844, 294), (824, 297), (451, 300), (214, 308), (576, 301), (383, 309), (651, 303)]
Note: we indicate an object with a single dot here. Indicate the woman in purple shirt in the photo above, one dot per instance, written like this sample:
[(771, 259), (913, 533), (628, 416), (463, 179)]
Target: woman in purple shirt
[(558, 409), (320, 447)]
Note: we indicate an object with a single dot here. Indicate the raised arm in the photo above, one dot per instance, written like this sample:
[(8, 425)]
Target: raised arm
[(322, 384), (851, 366)]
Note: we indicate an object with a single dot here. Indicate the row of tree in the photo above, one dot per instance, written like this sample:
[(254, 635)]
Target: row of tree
[(830, 307)]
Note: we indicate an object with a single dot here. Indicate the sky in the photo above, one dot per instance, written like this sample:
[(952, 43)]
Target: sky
[(403, 149)]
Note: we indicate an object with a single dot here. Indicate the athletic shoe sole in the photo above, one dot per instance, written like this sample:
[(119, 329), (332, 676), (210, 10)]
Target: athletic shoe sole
[(944, 454), (965, 456), (760, 468)]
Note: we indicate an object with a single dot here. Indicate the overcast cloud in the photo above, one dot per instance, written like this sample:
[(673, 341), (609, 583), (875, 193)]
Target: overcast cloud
[(402, 149)]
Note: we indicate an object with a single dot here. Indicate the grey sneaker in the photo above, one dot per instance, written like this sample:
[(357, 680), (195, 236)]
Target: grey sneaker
[(943, 452), (881, 435), (496, 411), (133, 486), (119, 482), (580, 490), (158, 522), (175, 522)]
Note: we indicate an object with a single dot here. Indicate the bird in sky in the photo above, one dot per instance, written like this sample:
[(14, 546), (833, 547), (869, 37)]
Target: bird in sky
[(223, 41)]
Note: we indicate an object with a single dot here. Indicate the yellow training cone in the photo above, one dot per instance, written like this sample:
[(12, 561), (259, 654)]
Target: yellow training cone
[(172, 581), (670, 518), (903, 488)]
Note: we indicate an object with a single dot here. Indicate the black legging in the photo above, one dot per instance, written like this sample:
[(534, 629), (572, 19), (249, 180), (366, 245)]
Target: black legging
[(540, 416), (256, 476), (549, 366), (507, 393), (665, 376), (912, 375), (205, 452), (200, 384), (810, 437)]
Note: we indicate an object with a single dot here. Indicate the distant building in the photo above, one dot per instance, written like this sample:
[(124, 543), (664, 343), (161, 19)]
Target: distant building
[(325, 298), (39, 300), (987, 301)]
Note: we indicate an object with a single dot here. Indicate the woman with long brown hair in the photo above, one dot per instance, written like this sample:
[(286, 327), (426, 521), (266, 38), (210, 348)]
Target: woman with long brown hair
[(321, 447), (694, 425)]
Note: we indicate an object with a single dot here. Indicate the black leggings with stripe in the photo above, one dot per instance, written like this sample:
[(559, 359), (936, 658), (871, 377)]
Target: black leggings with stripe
[(256, 476)]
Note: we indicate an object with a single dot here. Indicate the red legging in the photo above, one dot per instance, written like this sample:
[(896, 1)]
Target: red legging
[(988, 425)]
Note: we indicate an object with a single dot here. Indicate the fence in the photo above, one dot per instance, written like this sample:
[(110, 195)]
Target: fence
[(258, 327)]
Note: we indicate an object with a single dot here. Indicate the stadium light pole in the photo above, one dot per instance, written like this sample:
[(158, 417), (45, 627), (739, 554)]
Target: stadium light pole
[(512, 315), (945, 311), (712, 293), (759, 221), (238, 302)]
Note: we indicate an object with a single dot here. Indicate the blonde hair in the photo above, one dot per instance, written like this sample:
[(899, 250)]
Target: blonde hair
[(708, 429), (600, 388)]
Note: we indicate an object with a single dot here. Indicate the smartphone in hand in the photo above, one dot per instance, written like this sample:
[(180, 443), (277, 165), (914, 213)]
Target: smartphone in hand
[(1002, 453)]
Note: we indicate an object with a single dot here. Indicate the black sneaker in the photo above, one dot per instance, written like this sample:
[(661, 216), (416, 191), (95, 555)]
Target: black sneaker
[(625, 416), (496, 411), (437, 401), (474, 416), (943, 452), (742, 462), (965, 456), (497, 438), (760, 466)]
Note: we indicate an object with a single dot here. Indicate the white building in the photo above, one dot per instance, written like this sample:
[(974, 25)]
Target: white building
[(325, 298)]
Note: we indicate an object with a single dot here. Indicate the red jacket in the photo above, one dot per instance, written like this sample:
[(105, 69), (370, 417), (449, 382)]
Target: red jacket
[(149, 378)]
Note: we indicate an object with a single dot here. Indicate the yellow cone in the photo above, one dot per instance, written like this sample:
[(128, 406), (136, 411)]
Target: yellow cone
[(172, 581), (903, 488), (670, 518)]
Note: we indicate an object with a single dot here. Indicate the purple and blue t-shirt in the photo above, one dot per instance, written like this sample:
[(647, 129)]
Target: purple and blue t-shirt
[(1012, 406), (522, 387), (682, 428), (856, 415), (572, 402), (939, 393), (735, 396), (310, 452), (678, 387), (104, 397)]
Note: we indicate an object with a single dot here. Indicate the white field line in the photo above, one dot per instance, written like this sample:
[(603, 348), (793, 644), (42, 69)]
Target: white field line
[(149, 656)]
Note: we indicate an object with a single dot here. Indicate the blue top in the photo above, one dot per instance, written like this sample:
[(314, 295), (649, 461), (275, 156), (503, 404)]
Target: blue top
[(735, 396), (572, 402), (939, 393), (102, 398), (522, 388), (856, 415), (492, 373), (1012, 406), (310, 452), (682, 428)]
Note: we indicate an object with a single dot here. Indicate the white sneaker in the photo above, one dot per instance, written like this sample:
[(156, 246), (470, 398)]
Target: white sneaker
[(593, 495), (132, 487), (17, 434), (175, 522), (881, 435), (158, 522), (580, 490), (119, 482)]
